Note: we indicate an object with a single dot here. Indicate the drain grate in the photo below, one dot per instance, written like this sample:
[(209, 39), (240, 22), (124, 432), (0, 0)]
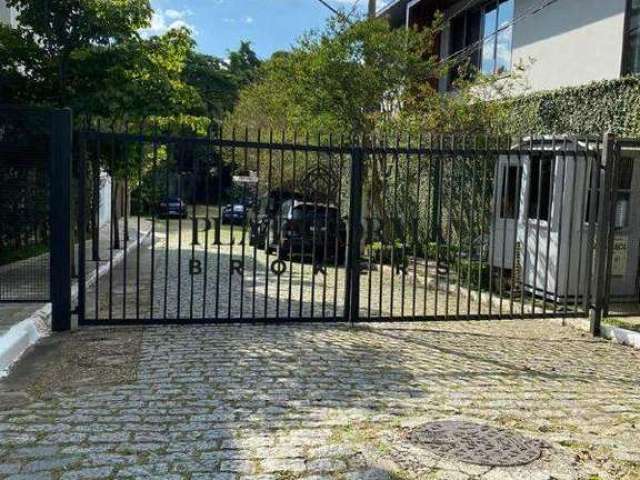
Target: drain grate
[(474, 443)]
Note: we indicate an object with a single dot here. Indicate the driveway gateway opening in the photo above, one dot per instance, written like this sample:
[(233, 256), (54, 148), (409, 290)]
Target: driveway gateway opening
[(271, 227)]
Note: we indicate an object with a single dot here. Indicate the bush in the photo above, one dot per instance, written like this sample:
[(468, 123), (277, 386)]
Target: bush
[(382, 253), (470, 270), (447, 254)]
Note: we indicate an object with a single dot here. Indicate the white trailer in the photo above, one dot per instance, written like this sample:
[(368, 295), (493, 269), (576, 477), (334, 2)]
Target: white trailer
[(541, 229)]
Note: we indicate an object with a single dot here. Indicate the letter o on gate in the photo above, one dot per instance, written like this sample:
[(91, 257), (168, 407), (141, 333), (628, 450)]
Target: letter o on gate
[(278, 267)]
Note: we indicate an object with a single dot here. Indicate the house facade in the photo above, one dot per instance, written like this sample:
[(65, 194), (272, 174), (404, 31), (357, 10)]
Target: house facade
[(7, 15), (560, 43)]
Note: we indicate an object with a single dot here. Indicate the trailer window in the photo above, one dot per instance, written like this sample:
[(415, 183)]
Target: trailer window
[(540, 187), (623, 199), (511, 181), (623, 194)]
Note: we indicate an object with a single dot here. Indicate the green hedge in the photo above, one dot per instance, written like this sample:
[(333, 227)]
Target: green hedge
[(469, 271), (382, 253), (443, 256), (589, 109)]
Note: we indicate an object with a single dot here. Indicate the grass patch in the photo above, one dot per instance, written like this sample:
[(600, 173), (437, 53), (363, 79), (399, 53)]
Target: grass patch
[(287, 475), (22, 253), (355, 433), (622, 323)]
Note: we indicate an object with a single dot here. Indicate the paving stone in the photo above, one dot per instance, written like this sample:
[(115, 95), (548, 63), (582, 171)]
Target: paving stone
[(325, 401), (326, 465), (109, 437), (88, 473), (237, 466), (7, 468), (35, 452), (271, 465), (48, 464), (368, 474), (31, 476), (215, 476)]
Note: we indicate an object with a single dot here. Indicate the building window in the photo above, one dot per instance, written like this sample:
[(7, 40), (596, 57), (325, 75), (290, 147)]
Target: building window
[(632, 39), (487, 32), (511, 180), (540, 187)]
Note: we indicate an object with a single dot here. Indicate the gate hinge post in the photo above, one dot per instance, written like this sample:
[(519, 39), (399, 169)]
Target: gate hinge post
[(354, 232), (601, 251), (60, 247)]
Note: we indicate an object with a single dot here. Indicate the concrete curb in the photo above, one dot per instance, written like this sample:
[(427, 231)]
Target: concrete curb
[(615, 334), (22, 336), (25, 334), (620, 335)]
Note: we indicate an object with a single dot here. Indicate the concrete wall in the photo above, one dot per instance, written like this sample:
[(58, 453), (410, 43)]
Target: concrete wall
[(571, 42), (104, 212)]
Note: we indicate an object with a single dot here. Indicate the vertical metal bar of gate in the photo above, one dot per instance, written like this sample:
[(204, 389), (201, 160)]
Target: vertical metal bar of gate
[(82, 228), (352, 272), (60, 219), (615, 179), (607, 163)]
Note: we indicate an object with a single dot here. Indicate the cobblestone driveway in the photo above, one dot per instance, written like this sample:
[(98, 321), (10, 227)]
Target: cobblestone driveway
[(239, 281), (323, 401)]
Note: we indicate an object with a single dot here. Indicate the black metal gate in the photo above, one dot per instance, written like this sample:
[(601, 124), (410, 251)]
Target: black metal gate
[(35, 209), (233, 226)]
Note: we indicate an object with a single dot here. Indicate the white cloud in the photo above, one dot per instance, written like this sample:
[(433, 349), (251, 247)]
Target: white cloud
[(170, 19), (247, 20), (177, 14)]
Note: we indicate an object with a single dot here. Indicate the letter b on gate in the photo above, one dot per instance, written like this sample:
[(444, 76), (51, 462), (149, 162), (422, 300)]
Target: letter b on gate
[(195, 267)]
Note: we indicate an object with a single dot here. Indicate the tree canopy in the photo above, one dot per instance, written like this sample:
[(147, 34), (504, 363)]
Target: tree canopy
[(362, 76), (89, 55)]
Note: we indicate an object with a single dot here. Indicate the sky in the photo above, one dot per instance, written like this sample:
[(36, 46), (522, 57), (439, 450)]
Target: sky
[(219, 25)]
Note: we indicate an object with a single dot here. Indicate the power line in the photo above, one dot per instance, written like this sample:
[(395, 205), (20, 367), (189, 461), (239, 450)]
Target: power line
[(326, 4), (470, 49), (336, 12)]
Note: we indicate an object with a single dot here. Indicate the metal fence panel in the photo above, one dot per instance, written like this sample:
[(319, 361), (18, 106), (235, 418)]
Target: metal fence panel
[(24, 204), (253, 226)]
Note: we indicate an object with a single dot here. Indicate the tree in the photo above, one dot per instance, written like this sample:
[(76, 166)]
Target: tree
[(351, 79), (371, 81), (51, 33), (218, 81), (137, 79), (215, 84), (88, 55), (344, 78), (243, 64)]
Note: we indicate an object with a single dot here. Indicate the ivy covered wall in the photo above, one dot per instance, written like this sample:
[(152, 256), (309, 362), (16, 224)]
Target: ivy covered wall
[(589, 109)]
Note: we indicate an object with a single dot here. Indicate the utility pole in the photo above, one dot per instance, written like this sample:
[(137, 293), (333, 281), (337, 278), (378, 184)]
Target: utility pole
[(372, 8)]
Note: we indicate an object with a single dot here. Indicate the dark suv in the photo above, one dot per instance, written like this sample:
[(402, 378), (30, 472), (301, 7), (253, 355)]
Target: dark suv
[(302, 229)]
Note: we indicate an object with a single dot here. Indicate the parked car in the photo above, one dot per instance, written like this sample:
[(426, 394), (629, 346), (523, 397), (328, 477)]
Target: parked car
[(265, 208), (302, 230), (172, 207), (235, 213)]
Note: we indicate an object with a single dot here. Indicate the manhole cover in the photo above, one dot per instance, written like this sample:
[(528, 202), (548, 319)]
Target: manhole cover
[(474, 443)]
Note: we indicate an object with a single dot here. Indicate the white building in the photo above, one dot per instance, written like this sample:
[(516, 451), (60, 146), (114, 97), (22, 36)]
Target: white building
[(559, 42), (7, 15), (540, 228)]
